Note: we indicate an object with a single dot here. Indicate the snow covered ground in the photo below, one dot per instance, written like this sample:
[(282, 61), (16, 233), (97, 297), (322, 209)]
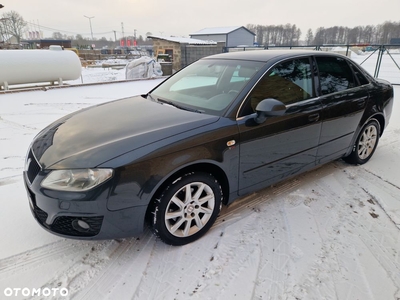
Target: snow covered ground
[(332, 233)]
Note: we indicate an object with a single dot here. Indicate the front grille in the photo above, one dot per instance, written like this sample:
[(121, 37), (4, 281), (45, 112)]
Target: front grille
[(33, 167), (64, 225)]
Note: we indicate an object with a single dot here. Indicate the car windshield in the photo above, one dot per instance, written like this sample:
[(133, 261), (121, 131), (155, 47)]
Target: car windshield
[(208, 86)]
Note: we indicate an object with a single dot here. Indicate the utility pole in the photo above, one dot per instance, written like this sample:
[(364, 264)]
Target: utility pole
[(123, 35), (90, 23), (40, 33), (115, 36)]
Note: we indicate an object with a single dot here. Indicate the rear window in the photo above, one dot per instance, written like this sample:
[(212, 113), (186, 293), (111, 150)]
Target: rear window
[(359, 75)]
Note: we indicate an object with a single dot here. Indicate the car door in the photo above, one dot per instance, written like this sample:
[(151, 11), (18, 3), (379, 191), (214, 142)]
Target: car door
[(282, 145), (343, 100)]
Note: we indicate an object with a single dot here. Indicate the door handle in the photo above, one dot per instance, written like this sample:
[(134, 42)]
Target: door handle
[(313, 117)]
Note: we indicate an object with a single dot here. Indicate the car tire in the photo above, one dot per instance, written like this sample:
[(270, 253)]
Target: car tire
[(365, 144), (187, 208)]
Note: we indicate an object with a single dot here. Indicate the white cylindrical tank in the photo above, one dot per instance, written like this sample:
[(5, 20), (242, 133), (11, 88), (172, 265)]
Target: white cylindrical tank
[(32, 66)]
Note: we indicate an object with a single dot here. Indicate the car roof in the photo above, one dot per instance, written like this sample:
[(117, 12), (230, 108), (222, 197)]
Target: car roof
[(266, 55)]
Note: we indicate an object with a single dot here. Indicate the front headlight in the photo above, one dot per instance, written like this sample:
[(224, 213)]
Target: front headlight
[(77, 180)]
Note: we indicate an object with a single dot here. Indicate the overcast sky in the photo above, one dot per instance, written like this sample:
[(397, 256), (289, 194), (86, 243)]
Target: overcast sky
[(182, 17)]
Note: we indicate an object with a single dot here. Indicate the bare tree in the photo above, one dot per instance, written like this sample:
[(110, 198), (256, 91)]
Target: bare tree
[(260, 31), (290, 35), (309, 37), (319, 38), (343, 35), (387, 31), (13, 24), (3, 30), (368, 34), (57, 36)]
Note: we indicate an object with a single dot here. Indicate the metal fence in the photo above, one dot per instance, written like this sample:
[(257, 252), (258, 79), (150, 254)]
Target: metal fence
[(381, 61)]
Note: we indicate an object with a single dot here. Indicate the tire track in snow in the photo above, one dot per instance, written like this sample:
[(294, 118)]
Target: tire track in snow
[(9, 179), (260, 242), (35, 258), (274, 270), (84, 268), (163, 278), (123, 271), (247, 205), (64, 104), (50, 261), (10, 125), (233, 252), (316, 239), (254, 250), (254, 244), (381, 229), (384, 193), (378, 234), (350, 236), (235, 261)]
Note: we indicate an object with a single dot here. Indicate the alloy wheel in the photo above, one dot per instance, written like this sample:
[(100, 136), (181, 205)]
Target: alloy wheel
[(189, 210)]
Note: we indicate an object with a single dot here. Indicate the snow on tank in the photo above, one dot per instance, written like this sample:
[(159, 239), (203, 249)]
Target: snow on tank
[(34, 66)]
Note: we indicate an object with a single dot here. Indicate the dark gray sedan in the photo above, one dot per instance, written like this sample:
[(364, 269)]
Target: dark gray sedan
[(221, 128)]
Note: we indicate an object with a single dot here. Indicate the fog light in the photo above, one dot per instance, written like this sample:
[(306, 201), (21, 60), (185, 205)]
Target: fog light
[(80, 225), (83, 224)]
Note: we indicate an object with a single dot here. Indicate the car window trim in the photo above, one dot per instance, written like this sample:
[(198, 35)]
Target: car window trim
[(311, 62), (350, 64)]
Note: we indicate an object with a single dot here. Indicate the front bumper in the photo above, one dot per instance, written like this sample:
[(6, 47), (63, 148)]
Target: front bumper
[(65, 224), (80, 215)]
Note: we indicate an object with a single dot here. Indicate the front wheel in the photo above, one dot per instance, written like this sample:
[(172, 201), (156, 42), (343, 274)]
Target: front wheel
[(187, 208), (365, 144)]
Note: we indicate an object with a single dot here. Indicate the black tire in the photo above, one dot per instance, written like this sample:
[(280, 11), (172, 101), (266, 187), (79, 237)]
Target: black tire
[(179, 219), (365, 144)]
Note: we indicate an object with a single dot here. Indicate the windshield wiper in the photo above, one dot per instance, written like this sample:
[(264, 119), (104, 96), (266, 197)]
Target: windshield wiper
[(178, 106), (148, 95)]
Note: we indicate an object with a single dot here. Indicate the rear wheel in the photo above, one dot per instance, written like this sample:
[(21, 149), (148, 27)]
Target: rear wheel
[(365, 144), (187, 208)]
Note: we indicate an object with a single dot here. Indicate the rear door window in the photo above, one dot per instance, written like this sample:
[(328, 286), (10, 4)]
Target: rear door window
[(335, 75)]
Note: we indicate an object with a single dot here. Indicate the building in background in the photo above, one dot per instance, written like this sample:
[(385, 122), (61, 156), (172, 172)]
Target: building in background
[(183, 51), (232, 36), (395, 41), (45, 43)]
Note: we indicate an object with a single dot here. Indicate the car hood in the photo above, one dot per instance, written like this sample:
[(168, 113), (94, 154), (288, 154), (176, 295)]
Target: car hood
[(92, 136)]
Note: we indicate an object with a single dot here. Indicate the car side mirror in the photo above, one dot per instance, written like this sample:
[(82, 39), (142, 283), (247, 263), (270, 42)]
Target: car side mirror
[(269, 108)]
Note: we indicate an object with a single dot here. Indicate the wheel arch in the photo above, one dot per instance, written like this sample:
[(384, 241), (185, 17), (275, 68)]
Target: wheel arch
[(377, 118), (381, 120), (205, 167)]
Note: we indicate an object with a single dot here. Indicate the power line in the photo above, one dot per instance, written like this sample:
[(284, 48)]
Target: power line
[(50, 28), (111, 32)]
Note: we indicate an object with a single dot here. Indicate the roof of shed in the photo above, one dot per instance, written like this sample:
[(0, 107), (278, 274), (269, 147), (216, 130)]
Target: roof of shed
[(219, 30), (182, 40)]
